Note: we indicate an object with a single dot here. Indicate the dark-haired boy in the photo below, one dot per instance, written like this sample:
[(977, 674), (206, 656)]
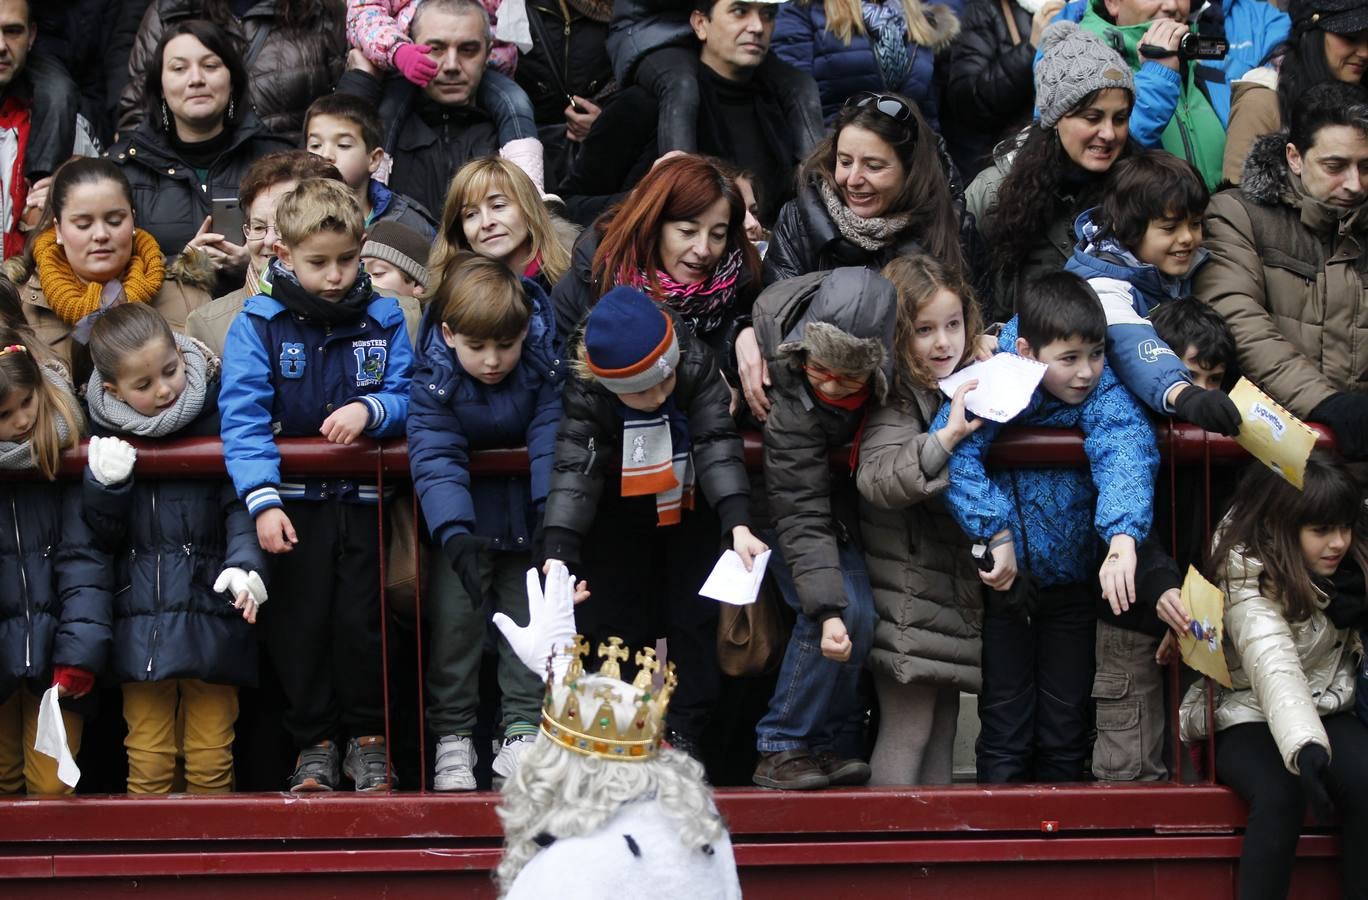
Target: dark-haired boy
[(347, 132), (1138, 249), (1200, 338), (1038, 650)]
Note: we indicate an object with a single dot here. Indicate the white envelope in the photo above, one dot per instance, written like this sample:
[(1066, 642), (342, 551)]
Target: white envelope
[(729, 582), (1005, 385)]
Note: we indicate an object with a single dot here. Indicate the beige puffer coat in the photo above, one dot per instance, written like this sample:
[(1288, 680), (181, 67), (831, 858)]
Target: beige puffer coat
[(1288, 674), (926, 587), (1287, 274)]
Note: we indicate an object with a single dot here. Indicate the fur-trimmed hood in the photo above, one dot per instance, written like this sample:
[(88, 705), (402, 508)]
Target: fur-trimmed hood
[(1264, 178), (945, 26), (848, 326)]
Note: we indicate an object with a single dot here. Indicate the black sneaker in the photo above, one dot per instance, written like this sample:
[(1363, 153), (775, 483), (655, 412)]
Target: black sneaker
[(367, 764), (316, 769)]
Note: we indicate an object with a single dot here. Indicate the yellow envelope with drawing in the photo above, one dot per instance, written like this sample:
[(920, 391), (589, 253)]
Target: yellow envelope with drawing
[(1201, 644), (1271, 434)]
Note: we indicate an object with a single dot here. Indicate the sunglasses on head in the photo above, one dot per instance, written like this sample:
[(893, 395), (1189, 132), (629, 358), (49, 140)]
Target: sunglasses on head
[(896, 108)]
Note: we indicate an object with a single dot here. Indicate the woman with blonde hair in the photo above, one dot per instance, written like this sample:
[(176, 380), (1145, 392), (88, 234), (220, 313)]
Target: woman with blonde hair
[(854, 46), (493, 209)]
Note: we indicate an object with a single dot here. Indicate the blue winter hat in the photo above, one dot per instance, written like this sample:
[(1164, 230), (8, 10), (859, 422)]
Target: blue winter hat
[(629, 342)]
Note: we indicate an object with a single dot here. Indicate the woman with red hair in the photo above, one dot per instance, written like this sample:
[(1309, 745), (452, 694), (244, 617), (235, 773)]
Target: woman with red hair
[(680, 238)]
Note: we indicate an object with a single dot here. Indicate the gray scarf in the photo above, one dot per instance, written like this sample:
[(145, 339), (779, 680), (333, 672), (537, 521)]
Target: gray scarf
[(20, 455), (873, 233), (201, 367)]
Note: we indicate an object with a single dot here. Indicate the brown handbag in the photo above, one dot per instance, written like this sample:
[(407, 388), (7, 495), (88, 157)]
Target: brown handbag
[(751, 639), (402, 568)]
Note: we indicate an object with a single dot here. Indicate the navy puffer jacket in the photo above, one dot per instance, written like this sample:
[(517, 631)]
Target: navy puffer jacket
[(452, 413), (842, 70), (167, 541), (54, 586)]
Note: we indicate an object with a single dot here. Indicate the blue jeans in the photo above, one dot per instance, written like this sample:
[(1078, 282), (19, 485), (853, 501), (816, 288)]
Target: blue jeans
[(508, 105), (817, 700)]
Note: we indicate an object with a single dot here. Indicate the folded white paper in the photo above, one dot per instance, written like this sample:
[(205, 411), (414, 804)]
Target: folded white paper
[(1005, 385), (51, 739), (729, 581)]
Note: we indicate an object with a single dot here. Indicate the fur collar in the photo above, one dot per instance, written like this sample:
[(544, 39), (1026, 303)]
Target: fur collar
[(1264, 179), (945, 26)]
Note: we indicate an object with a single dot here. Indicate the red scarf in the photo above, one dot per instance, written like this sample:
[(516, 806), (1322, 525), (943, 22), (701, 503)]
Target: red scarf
[(854, 401), (14, 114)]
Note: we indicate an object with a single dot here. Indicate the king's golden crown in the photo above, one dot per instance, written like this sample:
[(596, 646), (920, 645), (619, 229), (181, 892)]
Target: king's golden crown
[(602, 715)]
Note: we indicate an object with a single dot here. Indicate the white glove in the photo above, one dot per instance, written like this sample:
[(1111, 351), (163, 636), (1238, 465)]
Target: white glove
[(550, 623), (110, 459), (235, 581)]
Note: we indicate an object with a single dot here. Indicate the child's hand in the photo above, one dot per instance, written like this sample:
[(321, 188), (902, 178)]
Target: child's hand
[(747, 545), (836, 640), (1004, 569), (110, 460), (414, 63), (1173, 611), (275, 532), (1168, 649), (957, 426), (246, 588), (984, 347), (581, 589), (346, 424), (1118, 573)]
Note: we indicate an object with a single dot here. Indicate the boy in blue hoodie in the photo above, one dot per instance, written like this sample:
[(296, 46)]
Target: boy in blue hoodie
[(489, 376), (1139, 248), (318, 353), (1038, 635)]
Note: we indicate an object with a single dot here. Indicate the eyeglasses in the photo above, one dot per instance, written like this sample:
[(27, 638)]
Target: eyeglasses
[(256, 231), (896, 108), (848, 382)]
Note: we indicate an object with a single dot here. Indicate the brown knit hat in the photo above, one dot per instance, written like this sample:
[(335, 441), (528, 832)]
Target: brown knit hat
[(400, 246)]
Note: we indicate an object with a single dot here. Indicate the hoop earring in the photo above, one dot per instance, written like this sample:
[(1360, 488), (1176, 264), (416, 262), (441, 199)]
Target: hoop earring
[(166, 118)]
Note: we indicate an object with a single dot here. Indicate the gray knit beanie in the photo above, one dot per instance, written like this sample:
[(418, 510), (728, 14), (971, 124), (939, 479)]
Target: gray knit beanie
[(401, 247), (1073, 64)]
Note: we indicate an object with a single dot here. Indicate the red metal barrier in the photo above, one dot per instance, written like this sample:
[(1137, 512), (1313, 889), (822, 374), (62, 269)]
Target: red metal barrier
[(1167, 840)]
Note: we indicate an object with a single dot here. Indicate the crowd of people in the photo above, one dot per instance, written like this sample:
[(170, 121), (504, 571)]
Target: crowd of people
[(619, 235)]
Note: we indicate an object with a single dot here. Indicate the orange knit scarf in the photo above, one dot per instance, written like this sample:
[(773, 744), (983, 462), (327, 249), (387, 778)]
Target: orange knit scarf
[(74, 299)]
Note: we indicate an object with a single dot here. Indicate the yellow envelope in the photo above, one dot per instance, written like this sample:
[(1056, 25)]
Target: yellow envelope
[(1202, 643), (1271, 434)]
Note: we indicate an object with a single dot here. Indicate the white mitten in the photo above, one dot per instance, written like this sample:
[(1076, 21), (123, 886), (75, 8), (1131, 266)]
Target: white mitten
[(110, 459), (550, 622), (233, 581)]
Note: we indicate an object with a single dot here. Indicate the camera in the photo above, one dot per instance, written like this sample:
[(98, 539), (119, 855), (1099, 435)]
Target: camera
[(1191, 46)]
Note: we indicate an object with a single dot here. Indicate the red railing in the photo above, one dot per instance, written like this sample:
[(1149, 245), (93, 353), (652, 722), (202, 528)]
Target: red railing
[(1170, 840)]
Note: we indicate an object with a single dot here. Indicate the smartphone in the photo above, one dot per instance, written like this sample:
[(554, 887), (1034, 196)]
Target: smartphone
[(228, 221)]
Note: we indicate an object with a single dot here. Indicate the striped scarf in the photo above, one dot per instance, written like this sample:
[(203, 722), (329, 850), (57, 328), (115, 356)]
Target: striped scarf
[(656, 460)]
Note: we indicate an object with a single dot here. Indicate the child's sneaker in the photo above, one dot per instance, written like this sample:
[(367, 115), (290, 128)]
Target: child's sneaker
[(367, 764), (510, 756), (316, 769), (455, 765)]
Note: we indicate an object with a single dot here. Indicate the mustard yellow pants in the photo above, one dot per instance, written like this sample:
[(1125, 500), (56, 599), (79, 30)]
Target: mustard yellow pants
[(21, 767), (207, 714)]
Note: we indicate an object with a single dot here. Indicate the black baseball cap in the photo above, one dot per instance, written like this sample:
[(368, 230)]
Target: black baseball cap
[(1334, 16)]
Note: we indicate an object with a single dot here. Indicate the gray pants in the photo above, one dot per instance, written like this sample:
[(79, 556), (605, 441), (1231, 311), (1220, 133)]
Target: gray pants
[(458, 638), (1129, 691)]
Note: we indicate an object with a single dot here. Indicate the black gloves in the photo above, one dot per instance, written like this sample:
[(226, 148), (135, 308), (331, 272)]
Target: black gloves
[(464, 552), (1348, 606), (1212, 410), (1347, 416), (1313, 767)]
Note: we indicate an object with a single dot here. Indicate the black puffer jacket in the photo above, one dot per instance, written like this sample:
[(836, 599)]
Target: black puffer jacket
[(589, 450), (168, 540), (428, 142), (989, 87), (805, 238), (169, 199), (54, 584), (294, 66)]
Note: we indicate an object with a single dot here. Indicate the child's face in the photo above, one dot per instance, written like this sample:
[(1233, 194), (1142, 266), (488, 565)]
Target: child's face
[(1170, 243), (18, 412), (1323, 547), (150, 379), (1073, 366), (1204, 376), (938, 333), (338, 140), (489, 360), (831, 384), (651, 399), (388, 279), (325, 262)]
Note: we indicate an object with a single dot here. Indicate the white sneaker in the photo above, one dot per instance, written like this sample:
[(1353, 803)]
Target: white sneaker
[(455, 765), (511, 754)]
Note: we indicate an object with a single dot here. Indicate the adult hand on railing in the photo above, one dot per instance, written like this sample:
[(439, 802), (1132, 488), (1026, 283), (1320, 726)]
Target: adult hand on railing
[(1347, 415), (275, 531), (110, 460), (246, 588), (1313, 767), (550, 620)]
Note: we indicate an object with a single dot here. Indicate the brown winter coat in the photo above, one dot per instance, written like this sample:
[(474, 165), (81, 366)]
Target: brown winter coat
[(1288, 277), (1253, 113), (926, 588)]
